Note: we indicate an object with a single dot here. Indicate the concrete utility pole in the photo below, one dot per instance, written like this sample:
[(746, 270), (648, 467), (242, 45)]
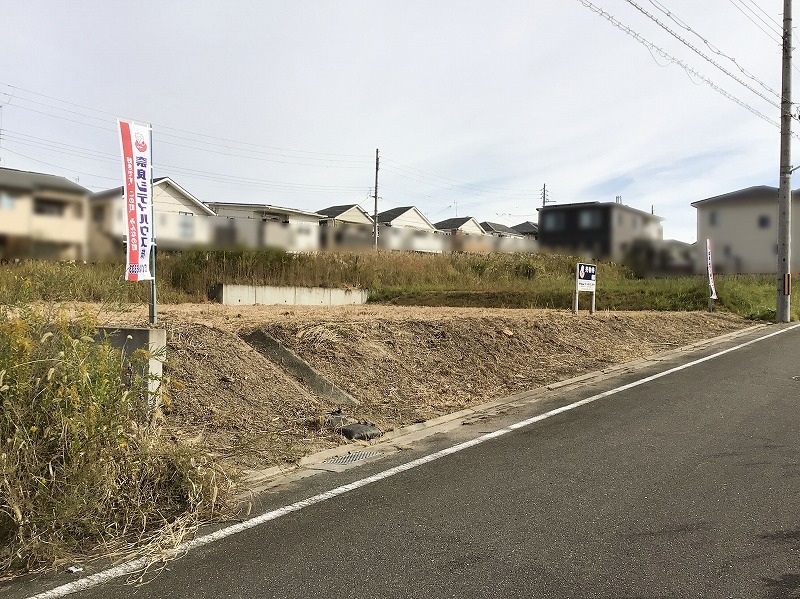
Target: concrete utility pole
[(375, 213), (784, 276)]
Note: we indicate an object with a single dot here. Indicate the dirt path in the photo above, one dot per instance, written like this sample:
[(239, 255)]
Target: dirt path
[(402, 364)]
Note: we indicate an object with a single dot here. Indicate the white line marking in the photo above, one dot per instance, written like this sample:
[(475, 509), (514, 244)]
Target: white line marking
[(138, 565)]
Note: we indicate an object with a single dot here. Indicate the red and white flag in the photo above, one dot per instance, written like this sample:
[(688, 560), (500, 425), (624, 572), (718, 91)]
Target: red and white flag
[(138, 195)]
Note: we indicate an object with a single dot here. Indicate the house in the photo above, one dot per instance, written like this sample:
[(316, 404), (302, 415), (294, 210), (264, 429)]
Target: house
[(42, 216), (352, 214), (265, 225), (499, 230), (460, 225), (527, 229), (596, 229), (406, 228), (742, 227), (405, 217), (181, 220)]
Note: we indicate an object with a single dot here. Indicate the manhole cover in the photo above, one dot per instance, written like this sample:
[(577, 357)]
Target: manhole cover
[(353, 457)]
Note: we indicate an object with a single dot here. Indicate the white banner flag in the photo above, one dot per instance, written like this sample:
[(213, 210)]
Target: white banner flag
[(710, 270), (138, 195)]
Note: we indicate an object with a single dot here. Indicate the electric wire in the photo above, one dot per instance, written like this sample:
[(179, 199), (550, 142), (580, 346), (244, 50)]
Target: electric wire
[(703, 55), (638, 37), (672, 16), (770, 34)]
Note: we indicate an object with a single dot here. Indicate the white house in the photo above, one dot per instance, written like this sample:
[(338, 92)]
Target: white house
[(264, 225), (742, 227), (181, 220)]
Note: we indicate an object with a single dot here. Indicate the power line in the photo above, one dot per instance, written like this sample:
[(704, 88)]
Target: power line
[(769, 34), (114, 116), (704, 56), (635, 35), (672, 16)]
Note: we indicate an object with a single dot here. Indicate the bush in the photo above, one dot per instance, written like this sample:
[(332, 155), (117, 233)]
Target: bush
[(80, 469)]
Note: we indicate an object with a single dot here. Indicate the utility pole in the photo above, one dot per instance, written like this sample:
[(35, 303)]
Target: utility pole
[(784, 276), (544, 194), (375, 213)]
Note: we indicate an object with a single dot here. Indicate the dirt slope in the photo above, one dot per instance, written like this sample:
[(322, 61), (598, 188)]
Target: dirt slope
[(403, 364)]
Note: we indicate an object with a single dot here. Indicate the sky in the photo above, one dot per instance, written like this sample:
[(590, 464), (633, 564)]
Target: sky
[(474, 106)]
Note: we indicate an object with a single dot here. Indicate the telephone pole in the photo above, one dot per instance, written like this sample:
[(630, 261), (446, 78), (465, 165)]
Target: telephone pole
[(375, 213), (784, 276)]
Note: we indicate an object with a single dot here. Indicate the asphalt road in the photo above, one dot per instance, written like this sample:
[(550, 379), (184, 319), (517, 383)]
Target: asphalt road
[(685, 486)]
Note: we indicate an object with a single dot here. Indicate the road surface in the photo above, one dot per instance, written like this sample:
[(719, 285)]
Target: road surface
[(687, 485)]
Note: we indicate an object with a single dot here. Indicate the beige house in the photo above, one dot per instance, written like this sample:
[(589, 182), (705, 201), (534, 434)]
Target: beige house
[(350, 214), (182, 221), (42, 216), (743, 228)]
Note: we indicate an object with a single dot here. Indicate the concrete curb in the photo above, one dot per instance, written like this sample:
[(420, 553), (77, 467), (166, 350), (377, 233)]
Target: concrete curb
[(393, 441)]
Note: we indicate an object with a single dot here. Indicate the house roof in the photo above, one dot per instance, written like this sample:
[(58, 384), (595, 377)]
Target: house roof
[(449, 224), (527, 228), (388, 216), (163, 181), (336, 211), (499, 228), (614, 204), (756, 192), (267, 208), (29, 180)]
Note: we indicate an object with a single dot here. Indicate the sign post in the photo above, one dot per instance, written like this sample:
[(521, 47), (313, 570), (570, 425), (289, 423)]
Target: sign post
[(137, 165), (585, 280)]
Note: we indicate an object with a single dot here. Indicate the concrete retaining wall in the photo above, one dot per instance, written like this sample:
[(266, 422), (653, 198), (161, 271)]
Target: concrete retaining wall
[(250, 295), (153, 340)]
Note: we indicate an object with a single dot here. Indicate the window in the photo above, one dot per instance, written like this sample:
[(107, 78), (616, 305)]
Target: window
[(553, 221), (713, 218), (98, 214), (620, 218), (589, 219), (727, 251), (186, 225), (48, 208), (6, 201), (637, 222), (763, 222)]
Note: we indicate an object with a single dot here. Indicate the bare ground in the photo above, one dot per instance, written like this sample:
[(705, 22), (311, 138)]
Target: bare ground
[(403, 364)]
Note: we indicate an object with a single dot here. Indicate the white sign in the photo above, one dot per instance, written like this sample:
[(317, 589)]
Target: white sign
[(586, 277), (710, 270)]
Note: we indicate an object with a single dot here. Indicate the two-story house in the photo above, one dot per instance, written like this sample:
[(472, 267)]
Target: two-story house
[(182, 221), (596, 229), (743, 228), (42, 216)]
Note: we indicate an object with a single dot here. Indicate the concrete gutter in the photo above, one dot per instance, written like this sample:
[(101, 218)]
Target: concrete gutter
[(298, 367), (400, 439)]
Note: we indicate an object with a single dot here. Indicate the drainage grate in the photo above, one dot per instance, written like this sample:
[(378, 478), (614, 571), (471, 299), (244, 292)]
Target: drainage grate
[(353, 457)]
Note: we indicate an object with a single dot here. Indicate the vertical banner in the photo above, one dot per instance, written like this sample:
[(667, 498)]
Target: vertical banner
[(710, 271), (138, 195)]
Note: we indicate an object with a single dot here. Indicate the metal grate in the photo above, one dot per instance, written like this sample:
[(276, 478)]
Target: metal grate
[(353, 457)]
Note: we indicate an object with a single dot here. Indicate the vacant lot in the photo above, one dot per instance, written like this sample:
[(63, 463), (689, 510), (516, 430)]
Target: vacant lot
[(403, 365)]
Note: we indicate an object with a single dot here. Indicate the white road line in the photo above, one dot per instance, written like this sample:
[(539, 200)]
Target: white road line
[(138, 565)]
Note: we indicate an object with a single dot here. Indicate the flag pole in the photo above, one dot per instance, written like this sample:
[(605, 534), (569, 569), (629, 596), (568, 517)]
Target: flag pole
[(153, 310)]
